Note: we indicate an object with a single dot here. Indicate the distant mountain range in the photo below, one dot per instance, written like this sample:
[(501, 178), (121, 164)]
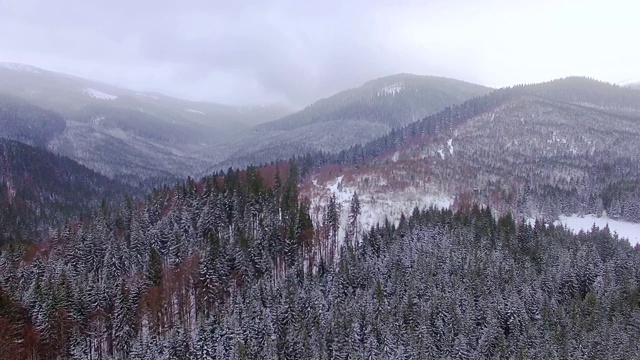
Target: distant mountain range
[(120, 132), (133, 135), (350, 117)]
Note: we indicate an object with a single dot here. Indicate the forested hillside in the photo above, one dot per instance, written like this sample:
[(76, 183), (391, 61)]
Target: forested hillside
[(28, 123), (286, 260), (350, 117), (543, 150), (224, 269), (393, 101), (118, 132), (142, 272), (40, 190)]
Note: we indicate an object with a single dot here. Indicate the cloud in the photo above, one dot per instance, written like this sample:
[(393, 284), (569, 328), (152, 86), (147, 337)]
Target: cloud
[(294, 52)]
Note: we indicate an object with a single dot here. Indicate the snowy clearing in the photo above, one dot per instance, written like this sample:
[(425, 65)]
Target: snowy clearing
[(97, 94), (624, 229), (375, 206), (195, 111)]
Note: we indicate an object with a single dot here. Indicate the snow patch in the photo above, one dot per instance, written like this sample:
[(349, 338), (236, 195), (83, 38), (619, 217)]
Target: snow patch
[(376, 206), (624, 229), (342, 193), (450, 144), (97, 94), (390, 90), (195, 111), (147, 95), (395, 156), (441, 152), (11, 191), (97, 119)]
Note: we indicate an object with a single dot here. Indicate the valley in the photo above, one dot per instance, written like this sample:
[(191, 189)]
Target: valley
[(151, 135), (334, 231)]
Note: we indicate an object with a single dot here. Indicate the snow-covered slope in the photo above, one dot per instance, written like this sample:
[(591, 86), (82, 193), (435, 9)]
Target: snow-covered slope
[(97, 94), (381, 197), (535, 151), (119, 131)]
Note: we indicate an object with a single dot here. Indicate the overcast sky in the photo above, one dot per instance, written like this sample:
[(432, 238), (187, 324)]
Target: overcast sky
[(296, 51)]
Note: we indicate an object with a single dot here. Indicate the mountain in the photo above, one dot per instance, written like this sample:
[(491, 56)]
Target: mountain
[(40, 190), (392, 101), (330, 256), (350, 117), (126, 133), (28, 123), (231, 267), (540, 151)]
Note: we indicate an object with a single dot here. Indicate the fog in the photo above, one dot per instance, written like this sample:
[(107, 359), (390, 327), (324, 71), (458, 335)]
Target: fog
[(294, 52)]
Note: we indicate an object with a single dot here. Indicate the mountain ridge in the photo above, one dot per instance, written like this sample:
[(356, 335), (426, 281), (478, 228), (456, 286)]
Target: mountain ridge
[(102, 118), (361, 114), (510, 150), (41, 190)]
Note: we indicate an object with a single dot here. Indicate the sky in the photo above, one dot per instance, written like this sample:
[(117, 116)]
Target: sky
[(294, 52)]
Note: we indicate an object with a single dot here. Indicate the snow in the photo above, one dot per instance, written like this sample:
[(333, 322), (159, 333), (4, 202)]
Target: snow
[(390, 90), (147, 95), (624, 229), (97, 94), (375, 205), (450, 144), (195, 111), (342, 193), (629, 82), (97, 119), (375, 209), (441, 153), (20, 67), (11, 190)]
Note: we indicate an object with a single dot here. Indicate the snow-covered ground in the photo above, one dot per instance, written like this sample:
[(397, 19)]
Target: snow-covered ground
[(150, 96), (97, 94), (195, 111), (624, 229), (375, 206)]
